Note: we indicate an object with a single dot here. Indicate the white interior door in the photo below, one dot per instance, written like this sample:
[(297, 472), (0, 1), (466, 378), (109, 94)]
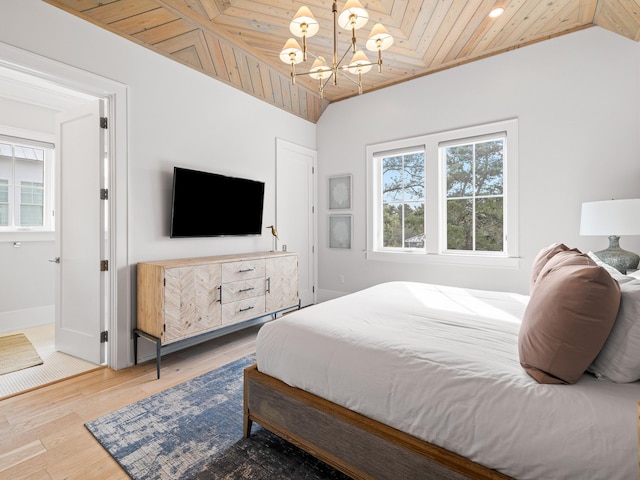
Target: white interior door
[(81, 232), (295, 216)]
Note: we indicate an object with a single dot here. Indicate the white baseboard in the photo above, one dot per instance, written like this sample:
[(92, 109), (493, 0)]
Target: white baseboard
[(26, 318)]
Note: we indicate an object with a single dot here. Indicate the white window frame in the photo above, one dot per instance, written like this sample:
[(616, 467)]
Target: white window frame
[(45, 232), (435, 193)]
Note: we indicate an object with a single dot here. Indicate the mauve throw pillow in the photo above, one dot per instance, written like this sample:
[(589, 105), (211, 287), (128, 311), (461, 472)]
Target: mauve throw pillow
[(542, 258), (568, 319)]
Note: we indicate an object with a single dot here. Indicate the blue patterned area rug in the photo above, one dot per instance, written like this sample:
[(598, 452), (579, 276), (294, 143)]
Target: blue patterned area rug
[(194, 431)]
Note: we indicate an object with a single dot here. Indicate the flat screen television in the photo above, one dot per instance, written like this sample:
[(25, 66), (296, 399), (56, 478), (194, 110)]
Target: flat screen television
[(210, 205)]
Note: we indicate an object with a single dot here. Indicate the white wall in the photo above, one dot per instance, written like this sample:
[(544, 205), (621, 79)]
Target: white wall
[(176, 116), (576, 99), (26, 281)]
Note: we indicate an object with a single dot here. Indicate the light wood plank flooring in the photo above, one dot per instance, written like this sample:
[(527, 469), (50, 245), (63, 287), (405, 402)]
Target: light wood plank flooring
[(56, 365), (43, 433)]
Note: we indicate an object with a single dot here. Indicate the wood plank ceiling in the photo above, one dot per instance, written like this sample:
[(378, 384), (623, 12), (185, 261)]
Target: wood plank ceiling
[(239, 41)]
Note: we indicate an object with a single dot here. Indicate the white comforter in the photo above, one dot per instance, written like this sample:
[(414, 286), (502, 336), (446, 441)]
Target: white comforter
[(441, 363)]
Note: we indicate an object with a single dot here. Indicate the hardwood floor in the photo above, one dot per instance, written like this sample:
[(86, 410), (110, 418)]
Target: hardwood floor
[(43, 433)]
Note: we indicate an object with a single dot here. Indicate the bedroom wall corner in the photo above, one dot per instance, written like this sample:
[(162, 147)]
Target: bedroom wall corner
[(576, 99)]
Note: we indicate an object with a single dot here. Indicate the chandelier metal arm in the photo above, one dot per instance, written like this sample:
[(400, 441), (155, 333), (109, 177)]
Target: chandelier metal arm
[(334, 9)]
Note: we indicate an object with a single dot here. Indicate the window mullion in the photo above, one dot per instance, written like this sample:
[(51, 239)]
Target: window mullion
[(473, 199)]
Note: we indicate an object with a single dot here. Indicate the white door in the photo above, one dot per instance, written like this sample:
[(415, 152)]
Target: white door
[(81, 233), (295, 216)]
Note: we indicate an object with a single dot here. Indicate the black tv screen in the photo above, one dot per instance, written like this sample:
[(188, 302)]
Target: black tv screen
[(209, 205)]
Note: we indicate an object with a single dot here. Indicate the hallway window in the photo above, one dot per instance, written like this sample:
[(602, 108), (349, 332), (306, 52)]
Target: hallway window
[(25, 169)]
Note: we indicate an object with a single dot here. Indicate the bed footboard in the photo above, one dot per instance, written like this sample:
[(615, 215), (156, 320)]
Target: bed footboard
[(356, 445)]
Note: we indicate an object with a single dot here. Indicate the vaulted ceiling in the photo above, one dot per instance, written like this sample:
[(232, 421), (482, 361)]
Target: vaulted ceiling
[(239, 41)]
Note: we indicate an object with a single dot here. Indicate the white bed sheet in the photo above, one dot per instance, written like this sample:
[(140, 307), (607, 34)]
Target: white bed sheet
[(441, 363)]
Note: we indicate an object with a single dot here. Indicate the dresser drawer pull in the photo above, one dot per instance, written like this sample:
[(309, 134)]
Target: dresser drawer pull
[(246, 270), (246, 289), (245, 309)]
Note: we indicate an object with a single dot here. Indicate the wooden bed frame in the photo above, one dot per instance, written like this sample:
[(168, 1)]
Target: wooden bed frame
[(352, 443)]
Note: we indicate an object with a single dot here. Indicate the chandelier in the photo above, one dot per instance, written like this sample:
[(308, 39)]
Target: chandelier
[(353, 17)]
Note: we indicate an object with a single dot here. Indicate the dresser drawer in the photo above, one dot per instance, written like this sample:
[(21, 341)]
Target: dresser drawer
[(235, 291), (242, 310), (242, 270)]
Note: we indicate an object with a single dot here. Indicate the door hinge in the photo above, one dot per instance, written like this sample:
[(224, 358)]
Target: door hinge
[(313, 289), (104, 194), (104, 123), (104, 337), (104, 265)]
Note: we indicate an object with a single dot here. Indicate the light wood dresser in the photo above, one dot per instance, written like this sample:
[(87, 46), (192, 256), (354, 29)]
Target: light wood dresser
[(184, 298)]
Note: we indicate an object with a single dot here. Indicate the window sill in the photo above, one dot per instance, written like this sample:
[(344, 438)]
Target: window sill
[(27, 236), (444, 259)]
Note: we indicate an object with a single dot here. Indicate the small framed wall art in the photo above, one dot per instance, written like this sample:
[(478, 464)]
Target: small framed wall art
[(340, 192), (340, 231)]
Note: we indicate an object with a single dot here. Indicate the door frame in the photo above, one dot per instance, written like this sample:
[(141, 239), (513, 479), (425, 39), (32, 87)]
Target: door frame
[(313, 154), (119, 349)]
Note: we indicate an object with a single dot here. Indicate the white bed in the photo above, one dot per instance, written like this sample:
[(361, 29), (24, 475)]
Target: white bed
[(441, 364)]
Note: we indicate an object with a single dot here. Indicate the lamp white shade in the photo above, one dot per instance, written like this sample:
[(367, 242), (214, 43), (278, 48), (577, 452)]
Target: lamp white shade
[(353, 9), (611, 217), (320, 70), (379, 38), (291, 52), (359, 63), (304, 23)]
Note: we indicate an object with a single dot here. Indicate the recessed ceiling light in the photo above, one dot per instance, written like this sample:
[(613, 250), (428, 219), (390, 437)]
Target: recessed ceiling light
[(496, 12)]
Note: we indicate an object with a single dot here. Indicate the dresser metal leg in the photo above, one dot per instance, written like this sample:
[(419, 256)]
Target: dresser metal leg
[(158, 342)]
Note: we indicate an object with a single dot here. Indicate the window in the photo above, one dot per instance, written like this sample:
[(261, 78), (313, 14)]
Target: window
[(445, 197), (403, 200), (474, 195), (25, 167)]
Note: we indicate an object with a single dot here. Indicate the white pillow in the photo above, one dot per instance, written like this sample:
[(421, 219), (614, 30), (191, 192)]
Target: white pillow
[(614, 272), (635, 274), (619, 359)]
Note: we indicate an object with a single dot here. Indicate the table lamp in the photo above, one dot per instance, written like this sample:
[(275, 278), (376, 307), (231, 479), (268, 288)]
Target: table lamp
[(613, 218)]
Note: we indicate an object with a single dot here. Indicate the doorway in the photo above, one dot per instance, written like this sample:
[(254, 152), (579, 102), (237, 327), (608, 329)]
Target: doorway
[(78, 86), (32, 106)]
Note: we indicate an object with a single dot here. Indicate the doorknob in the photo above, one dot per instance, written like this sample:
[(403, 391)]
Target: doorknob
[(55, 260)]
